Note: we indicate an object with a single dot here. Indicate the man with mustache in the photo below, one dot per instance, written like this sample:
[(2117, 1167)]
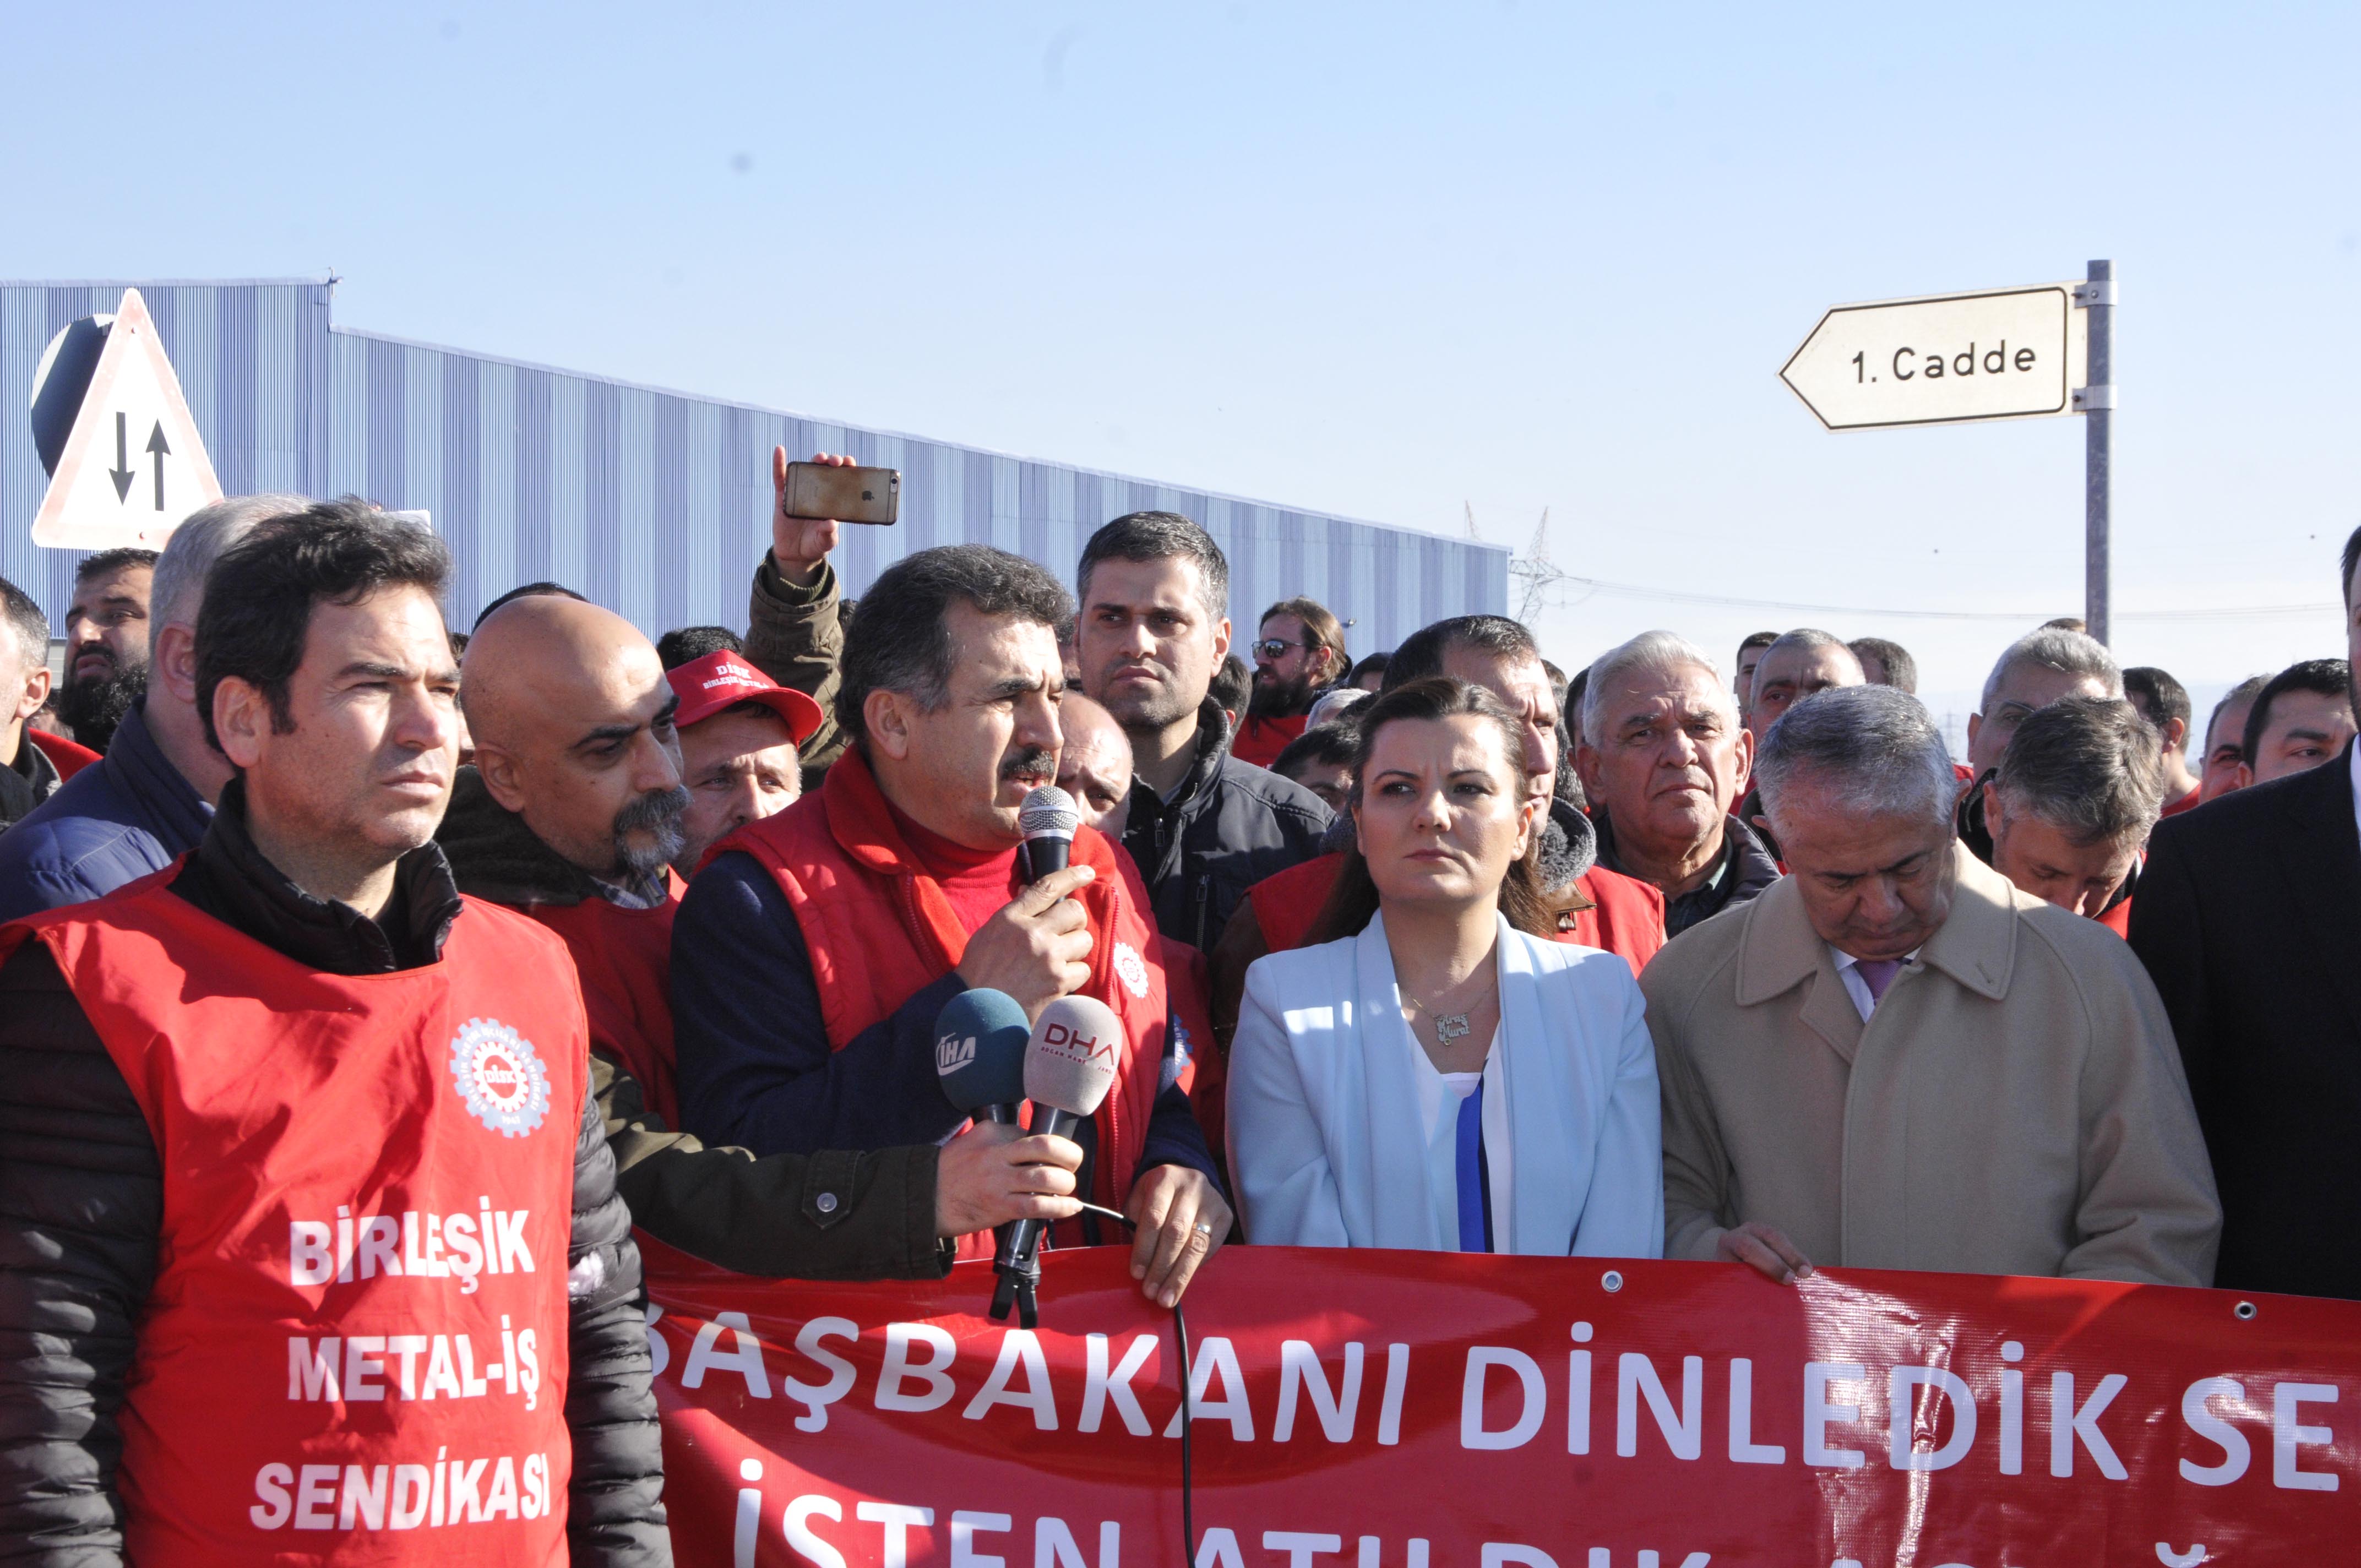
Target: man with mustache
[(107, 644), (817, 947)]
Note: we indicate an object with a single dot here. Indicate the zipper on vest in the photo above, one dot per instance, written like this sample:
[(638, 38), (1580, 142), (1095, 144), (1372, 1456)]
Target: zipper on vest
[(1204, 906)]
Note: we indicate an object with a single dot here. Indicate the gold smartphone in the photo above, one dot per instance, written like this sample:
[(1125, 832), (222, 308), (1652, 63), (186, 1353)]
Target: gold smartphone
[(848, 495)]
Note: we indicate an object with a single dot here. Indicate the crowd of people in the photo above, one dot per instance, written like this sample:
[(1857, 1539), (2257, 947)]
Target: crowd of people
[(366, 981)]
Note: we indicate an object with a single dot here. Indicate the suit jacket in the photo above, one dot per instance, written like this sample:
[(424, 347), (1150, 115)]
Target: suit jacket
[(1326, 1141), (2249, 921), (2012, 1106)]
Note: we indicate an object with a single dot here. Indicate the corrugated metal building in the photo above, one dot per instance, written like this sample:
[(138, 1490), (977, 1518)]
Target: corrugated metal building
[(654, 503)]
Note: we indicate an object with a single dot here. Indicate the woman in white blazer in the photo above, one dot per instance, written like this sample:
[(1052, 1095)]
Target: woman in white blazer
[(1440, 1075)]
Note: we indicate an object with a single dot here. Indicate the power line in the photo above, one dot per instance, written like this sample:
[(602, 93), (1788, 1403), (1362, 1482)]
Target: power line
[(2240, 612)]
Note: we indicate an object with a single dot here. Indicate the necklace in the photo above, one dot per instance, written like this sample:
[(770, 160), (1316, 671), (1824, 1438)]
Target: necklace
[(1450, 1026)]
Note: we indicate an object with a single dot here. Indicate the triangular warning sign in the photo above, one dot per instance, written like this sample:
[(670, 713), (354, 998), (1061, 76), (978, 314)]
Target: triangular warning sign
[(132, 468)]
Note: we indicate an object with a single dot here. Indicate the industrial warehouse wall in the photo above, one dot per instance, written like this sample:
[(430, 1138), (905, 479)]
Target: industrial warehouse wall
[(653, 503)]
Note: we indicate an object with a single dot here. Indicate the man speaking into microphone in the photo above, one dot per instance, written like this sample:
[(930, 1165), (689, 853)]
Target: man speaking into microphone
[(815, 952)]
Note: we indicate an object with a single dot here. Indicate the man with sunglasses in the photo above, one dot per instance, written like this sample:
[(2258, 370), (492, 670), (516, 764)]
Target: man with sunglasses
[(1301, 654)]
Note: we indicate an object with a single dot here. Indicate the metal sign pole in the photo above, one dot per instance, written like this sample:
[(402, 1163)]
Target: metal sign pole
[(2098, 404)]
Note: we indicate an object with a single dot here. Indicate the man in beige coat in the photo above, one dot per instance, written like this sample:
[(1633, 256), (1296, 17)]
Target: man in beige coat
[(1894, 1059)]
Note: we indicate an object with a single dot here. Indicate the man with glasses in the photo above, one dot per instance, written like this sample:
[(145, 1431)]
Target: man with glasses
[(1301, 654)]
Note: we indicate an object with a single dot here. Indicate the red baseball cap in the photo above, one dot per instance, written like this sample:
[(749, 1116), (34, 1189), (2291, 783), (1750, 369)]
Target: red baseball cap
[(706, 686)]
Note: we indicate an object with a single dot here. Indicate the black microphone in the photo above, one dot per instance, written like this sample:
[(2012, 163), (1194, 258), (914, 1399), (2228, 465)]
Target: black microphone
[(980, 1054), (1070, 1064), (1048, 820)]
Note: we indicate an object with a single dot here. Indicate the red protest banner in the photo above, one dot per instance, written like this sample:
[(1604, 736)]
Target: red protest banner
[(1380, 1409)]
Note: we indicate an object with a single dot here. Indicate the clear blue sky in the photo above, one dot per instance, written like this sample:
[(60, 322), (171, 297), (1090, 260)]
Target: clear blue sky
[(1385, 260)]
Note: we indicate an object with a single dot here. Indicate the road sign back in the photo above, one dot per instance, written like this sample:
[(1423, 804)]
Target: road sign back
[(133, 466), (2002, 354)]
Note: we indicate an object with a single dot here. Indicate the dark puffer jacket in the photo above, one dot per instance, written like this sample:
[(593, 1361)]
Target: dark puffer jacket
[(1230, 826), (82, 1206)]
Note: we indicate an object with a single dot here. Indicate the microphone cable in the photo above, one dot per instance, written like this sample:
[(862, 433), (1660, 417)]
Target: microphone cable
[(1188, 1377)]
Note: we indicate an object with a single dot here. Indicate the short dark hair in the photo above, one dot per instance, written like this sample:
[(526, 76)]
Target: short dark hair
[(113, 560), (899, 640), (1901, 669), (1230, 683), (1376, 662), (2329, 678), (687, 644), (2245, 691), (1354, 897), (2165, 698), (257, 615), (1756, 639), (27, 620), (1154, 536), (1331, 744), (1321, 624), (1422, 651), (2352, 559), (2073, 623), (2090, 766), (527, 591)]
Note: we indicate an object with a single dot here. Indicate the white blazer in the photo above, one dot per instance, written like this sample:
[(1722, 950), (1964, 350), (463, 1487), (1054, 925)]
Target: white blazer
[(1326, 1147)]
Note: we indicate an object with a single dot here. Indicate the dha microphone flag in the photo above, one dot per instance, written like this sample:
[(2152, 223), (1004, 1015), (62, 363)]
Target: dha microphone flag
[(980, 1040), (1048, 820), (1070, 1061), (1070, 1065)]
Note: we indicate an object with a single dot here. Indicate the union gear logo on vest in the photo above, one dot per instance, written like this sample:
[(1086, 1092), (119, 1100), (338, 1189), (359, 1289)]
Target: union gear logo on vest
[(500, 1078), (1129, 968)]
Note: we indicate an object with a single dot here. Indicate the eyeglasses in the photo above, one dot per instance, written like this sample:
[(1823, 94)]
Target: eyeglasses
[(1277, 647)]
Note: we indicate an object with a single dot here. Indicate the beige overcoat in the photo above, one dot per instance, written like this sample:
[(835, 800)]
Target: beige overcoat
[(2015, 1104)]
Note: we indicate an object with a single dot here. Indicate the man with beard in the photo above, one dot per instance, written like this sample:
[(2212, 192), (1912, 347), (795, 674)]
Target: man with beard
[(572, 812), (1204, 826), (1299, 654), (107, 644), (818, 946), (573, 805)]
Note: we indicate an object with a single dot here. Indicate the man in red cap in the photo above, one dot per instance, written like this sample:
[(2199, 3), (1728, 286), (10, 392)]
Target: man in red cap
[(739, 731)]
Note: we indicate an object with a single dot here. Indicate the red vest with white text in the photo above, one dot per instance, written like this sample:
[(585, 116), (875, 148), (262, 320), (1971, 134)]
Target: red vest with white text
[(880, 929), (355, 1350)]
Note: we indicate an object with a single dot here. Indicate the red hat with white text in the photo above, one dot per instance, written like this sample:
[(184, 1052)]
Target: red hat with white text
[(723, 680)]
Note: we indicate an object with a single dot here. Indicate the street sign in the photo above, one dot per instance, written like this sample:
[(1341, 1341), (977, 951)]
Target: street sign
[(2002, 354), (133, 466)]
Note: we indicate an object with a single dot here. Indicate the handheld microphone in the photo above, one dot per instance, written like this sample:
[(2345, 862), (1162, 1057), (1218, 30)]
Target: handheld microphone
[(980, 1054), (1070, 1066), (1048, 820)]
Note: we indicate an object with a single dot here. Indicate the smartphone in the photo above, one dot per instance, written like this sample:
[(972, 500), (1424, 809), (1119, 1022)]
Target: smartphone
[(848, 495)]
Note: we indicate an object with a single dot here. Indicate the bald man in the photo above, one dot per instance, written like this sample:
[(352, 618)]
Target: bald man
[(1094, 765), (574, 808)]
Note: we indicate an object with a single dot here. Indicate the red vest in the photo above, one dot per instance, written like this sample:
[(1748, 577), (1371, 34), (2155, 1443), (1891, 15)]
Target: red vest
[(1260, 740), (2186, 802), (355, 1350), (1626, 916), (624, 957), (879, 929)]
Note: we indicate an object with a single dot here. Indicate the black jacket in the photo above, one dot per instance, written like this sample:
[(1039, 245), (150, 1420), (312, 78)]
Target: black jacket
[(1230, 826), (31, 779), (81, 1205), (1746, 869), (2249, 920), (757, 1216)]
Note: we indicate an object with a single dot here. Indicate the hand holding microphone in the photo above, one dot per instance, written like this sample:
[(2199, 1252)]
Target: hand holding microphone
[(1070, 1066), (995, 1174)]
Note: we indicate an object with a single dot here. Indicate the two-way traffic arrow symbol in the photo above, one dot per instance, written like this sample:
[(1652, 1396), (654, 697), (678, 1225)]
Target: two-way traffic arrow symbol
[(121, 472), (158, 449)]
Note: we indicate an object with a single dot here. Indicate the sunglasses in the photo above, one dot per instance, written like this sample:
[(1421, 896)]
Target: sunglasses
[(1277, 647)]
